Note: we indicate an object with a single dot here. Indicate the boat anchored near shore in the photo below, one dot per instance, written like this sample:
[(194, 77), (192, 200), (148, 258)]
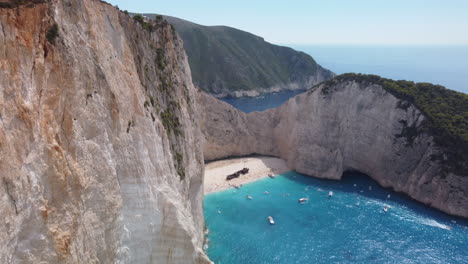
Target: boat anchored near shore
[(270, 219)]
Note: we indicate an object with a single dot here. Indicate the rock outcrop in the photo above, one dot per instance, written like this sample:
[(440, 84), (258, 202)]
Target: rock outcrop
[(100, 157), (350, 126)]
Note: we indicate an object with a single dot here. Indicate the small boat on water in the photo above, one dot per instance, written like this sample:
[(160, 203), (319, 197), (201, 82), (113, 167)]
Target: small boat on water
[(271, 176), (385, 209), (266, 192), (249, 197), (270, 219), (302, 200), (330, 194), (237, 186)]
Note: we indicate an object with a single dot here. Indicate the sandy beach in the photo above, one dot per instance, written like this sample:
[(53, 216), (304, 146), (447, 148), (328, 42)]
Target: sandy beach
[(259, 167)]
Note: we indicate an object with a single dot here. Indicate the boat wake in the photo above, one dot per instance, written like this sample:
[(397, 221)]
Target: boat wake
[(434, 223), (425, 221)]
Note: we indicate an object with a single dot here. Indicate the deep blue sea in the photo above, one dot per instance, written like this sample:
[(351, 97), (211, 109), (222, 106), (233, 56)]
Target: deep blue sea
[(444, 65), (350, 227)]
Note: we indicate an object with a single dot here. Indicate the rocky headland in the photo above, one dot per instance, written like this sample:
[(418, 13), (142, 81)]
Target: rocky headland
[(226, 61)]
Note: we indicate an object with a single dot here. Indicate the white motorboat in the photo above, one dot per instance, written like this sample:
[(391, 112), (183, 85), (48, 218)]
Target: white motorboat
[(385, 209), (249, 197), (302, 200), (270, 219), (330, 194)]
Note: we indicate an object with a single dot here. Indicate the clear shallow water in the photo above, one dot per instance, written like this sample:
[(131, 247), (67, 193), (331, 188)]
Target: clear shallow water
[(351, 227), (260, 103)]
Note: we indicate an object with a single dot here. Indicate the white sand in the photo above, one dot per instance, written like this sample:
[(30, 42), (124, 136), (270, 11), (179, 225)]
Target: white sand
[(259, 167)]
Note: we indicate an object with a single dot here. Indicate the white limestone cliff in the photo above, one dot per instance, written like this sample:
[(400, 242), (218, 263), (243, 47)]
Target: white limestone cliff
[(99, 144), (351, 127)]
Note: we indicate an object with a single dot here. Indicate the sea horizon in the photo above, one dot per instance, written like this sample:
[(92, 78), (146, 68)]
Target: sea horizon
[(445, 65)]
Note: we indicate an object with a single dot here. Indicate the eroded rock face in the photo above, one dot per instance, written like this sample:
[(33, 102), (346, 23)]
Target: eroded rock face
[(100, 154), (350, 126)]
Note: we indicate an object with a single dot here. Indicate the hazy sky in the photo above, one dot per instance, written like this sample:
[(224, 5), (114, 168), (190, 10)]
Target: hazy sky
[(429, 22)]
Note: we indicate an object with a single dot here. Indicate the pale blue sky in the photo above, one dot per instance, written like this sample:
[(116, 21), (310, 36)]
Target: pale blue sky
[(390, 22)]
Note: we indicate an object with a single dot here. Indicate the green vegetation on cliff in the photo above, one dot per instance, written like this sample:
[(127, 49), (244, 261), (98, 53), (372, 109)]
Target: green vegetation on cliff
[(446, 112), (52, 33), (224, 59)]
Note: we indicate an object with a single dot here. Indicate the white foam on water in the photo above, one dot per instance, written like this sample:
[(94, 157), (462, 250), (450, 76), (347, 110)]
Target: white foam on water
[(423, 221), (434, 223)]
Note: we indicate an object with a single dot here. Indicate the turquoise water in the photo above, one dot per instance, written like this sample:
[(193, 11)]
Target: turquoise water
[(351, 227), (260, 103)]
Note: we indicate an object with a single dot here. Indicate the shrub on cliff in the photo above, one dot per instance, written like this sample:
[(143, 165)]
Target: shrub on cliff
[(141, 20), (52, 33)]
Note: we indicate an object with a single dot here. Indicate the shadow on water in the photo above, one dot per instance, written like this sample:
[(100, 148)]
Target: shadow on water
[(261, 103), (377, 193)]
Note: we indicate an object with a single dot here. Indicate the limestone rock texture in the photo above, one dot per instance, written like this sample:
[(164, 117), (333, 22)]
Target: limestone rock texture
[(100, 150), (349, 127)]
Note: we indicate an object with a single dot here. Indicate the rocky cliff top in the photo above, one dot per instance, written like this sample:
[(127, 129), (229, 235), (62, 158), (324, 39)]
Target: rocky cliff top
[(446, 113)]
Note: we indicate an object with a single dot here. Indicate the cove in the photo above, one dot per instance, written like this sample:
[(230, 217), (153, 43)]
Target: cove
[(349, 227), (263, 102)]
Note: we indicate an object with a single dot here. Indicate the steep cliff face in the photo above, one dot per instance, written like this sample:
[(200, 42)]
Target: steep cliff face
[(329, 130), (229, 62), (100, 152)]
